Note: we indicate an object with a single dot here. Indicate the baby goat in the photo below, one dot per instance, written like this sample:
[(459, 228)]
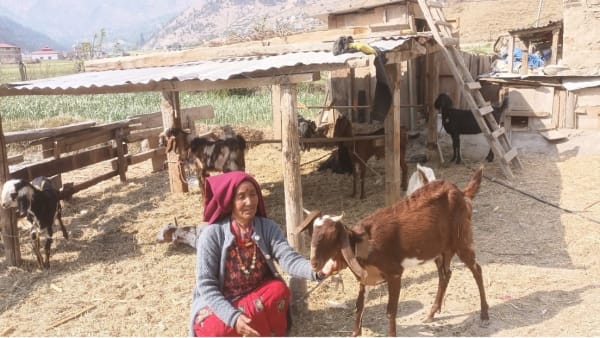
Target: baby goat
[(207, 152), (434, 223), (460, 121), (39, 202)]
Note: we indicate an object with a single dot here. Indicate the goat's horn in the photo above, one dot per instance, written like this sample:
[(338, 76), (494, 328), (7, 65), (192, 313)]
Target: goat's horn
[(175, 219)]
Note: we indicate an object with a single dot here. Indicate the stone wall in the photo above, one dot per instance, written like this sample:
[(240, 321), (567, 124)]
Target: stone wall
[(581, 37)]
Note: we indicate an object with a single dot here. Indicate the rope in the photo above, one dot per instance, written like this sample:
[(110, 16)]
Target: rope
[(318, 159), (539, 199)]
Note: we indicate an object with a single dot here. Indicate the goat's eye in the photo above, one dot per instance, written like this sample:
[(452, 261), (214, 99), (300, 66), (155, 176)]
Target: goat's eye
[(13, 195)]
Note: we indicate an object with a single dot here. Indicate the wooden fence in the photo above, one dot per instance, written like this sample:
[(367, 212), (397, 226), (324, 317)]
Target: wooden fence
[(80, 145)]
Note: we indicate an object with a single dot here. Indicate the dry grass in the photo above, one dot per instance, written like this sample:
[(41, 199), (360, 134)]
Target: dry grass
[(539, 262)]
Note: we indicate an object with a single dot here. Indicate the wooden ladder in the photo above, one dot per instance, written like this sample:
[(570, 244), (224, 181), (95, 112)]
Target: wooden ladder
[(481, 109)]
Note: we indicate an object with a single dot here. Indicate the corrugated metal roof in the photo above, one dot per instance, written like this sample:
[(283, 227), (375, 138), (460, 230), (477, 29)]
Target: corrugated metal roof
[(224, 69)]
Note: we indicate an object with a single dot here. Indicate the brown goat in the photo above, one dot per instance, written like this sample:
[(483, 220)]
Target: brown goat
[(434, 223), (361, 151)]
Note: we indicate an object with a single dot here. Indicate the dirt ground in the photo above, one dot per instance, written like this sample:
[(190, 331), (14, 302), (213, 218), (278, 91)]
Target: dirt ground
[(536, 240)]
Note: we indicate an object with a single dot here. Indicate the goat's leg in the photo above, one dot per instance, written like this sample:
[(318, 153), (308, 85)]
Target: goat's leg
[(360, 308), (490, 156), (355, 178), (444, 273), (47, 246), (456, 148), (467, 255), (58, 217), (394, 284)]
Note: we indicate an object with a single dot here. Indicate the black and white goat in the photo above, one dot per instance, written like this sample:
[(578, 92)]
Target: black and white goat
[(460, 121), (208, 153), (39, 202)]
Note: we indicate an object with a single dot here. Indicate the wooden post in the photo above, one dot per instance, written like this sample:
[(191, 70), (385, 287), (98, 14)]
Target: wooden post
[(290, 149), (393, 171), (171, 117), (570, 110), (10, 232), (433, 85), (159, 159), (275, 108), (121, 162), (554, 56), (511, 53), (525, 59)]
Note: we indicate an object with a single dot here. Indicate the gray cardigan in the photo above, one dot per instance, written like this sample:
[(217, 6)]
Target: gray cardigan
[(211, 249)]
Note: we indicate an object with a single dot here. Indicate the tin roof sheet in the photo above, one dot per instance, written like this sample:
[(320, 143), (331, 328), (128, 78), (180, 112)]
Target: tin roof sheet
[(224, 69)]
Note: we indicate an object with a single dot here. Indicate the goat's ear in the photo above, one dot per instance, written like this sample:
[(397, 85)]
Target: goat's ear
[(308, 221), (187, 131), (423, 176), (337, 218)]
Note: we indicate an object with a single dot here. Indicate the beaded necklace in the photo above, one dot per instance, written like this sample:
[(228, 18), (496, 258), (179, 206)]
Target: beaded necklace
[(245, 270)]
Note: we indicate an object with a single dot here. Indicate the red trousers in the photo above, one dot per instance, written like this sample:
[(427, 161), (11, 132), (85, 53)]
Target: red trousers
[(266, 306)]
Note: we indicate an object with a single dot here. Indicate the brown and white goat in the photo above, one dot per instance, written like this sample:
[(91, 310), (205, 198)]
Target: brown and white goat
[(434, 223), (361, 151)]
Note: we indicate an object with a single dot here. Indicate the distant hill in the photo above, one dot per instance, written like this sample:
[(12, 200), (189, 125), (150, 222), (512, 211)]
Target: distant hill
[(480, 20), (27, 39), (242, 18)]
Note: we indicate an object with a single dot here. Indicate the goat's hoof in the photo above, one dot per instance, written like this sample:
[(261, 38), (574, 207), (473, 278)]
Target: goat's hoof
[(429, 319), (484, 323)]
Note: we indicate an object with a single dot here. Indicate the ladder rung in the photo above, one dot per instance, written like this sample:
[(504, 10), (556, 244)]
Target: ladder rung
[(473, 85), (498, 132), (510, 155), (435, 4), (450, 41), (485, 110), (443, 23)]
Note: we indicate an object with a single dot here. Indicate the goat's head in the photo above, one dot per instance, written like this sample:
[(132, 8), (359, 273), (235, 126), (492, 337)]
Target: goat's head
[(443, 102), (326, 240), (17, 193), (419, 178), (174, 138), (10, 192)]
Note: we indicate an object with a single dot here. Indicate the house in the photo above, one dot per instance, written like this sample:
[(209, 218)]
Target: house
[(9, 53), (564, 92), (45, 53)]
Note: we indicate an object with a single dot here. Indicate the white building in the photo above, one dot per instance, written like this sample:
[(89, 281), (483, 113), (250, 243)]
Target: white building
[(45, 53)]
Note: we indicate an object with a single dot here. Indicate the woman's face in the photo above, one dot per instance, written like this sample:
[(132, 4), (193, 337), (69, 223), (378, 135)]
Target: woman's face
[(245, 203)]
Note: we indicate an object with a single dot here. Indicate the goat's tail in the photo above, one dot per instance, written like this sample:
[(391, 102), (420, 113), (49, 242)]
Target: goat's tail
[(473, 187)]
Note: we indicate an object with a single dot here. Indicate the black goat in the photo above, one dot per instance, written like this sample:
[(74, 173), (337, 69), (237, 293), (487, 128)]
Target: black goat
[(460, 121), (306, 129), (39, 202)]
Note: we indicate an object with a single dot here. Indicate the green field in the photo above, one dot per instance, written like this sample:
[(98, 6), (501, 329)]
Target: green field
[(44, 69), (246, 107), (243, 106)]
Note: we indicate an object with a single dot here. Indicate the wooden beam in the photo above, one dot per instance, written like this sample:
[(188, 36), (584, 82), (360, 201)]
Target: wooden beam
[(171, 116), (393, 171), (178, 86), (292, 184), (276, 110), (33, 134), (8, 219), (319, 40), (64, 164)]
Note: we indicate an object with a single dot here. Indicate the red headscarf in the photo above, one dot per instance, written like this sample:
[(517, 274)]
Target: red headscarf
[(220, 190)]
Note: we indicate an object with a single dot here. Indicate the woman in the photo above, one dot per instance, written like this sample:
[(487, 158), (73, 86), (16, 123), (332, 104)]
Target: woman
[(238, 291)]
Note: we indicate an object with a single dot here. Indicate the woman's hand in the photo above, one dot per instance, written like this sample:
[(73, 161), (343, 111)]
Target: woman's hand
[(242, 326), (329, 268)]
